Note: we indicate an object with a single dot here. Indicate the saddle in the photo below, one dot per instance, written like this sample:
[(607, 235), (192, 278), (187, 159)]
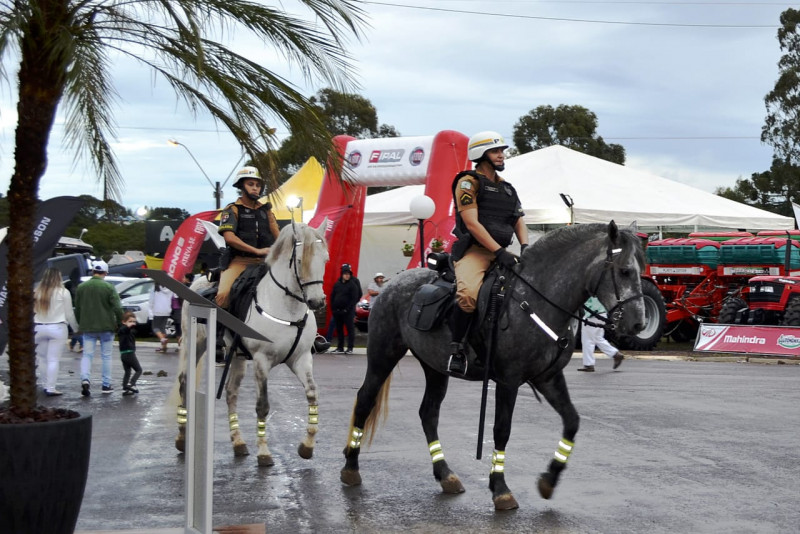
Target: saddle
[(432, 303)]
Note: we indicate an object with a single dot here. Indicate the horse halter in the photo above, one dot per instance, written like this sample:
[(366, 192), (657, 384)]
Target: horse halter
[(294, 263), (616, 312)]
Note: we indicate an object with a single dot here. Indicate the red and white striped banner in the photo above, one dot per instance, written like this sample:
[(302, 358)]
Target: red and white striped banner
[(777, 340)]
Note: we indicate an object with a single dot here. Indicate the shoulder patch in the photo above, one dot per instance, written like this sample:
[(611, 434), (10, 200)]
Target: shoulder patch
[(465, 199), (225, 217), (465, 185)]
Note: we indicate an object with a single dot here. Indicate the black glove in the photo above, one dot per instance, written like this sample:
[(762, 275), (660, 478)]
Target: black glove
[(522, 248), (504, 258)]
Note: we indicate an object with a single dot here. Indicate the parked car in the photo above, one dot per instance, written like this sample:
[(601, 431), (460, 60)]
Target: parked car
[(362, 312), (135, 297)]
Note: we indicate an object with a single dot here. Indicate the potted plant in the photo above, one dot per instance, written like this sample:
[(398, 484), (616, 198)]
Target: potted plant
[(437, 245), (66, 50), (408, 249)]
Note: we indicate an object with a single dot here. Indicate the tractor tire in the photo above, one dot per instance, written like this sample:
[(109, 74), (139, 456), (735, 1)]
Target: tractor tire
[(727, 314), (655, 312), (792, 315), (685, 330)]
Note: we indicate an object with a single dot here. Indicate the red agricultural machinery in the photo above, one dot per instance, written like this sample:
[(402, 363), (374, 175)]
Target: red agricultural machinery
[(729, 278)]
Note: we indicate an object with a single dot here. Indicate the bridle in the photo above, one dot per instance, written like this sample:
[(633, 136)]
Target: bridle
[(294, 264), (615, 314)]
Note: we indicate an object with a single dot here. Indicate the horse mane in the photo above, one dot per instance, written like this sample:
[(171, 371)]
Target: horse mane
[(578, 233)]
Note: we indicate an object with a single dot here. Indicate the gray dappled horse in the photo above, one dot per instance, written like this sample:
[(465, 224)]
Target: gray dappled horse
[(283, 312), (556, 276)]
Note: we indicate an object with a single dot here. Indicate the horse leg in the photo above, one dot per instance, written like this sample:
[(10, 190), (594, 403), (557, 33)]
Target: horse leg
[(302, 369), (505, 400), (262, 410), (180, 440), (435, 390), (370, 396), (236, 371), (557, 395)]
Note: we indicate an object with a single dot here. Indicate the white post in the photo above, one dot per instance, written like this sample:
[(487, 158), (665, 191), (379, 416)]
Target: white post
[(199, 479)]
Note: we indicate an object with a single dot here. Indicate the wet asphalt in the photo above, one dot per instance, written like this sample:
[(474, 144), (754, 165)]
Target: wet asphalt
[(664, 446)]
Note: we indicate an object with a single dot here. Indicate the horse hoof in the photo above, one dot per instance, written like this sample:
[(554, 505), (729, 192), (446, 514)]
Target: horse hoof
[(305, 451), (265, 461), (505, 502), (545, 486), (350, 477), (452, 484), (180, 444), (240, 450)]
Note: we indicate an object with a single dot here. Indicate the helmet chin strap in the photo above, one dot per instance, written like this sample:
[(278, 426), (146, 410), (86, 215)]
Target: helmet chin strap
[(253, 197), (496, 167)]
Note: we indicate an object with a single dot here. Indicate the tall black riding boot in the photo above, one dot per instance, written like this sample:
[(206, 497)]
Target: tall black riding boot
[(459, 325)]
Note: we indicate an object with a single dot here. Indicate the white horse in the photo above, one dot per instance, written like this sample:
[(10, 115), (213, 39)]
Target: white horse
[(283, 312)]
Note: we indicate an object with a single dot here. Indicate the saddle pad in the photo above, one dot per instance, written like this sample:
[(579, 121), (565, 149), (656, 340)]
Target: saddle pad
[(430, 305), (244, 288)]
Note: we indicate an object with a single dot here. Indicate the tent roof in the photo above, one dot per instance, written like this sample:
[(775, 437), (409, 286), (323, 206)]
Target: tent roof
[(305, 183), (601, 191)]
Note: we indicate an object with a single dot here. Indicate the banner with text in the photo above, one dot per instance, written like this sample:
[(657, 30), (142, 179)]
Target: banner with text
[(184, 248), (774, 340)]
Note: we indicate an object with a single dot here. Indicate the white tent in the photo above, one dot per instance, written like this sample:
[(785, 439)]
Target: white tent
[(601, 191)]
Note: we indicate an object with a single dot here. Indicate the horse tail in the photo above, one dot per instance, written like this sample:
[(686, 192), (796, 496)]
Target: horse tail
[(377, 416)]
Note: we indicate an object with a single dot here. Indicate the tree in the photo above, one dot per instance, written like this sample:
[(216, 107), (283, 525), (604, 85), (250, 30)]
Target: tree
[(782, 125), (66, 50), (773, 190), (571, 126), (343, 114)]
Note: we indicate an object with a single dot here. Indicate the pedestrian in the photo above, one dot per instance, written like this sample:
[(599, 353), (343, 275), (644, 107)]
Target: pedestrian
[(76, 339), (488, 215), (127, 353), (249, 228), (594, 336), (177, 307), (160, 311), (98, 311), (374, 288), (52, 306), (345, 295)]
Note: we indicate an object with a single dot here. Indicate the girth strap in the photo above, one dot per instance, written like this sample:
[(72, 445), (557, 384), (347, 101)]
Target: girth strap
[(300, 324)]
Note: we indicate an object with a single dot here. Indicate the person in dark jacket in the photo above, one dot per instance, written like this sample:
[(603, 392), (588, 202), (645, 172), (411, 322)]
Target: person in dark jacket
[(127, 353), (345, 295)]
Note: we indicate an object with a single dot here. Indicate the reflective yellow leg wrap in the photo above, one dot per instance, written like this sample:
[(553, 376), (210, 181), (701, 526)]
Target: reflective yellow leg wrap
[(262, 428), (233, 421), (564, 450), (355, 438), (498, 461), (436, 451), (313, 414), (183, 414)]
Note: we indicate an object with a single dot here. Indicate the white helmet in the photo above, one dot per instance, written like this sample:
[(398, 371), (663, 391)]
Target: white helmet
[(246, 173), (483, 141)]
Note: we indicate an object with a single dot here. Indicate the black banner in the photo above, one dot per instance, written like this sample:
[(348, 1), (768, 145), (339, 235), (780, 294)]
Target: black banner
[(52, 218)]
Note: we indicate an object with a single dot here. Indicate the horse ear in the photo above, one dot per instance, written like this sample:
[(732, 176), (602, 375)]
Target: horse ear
[(634, 227), (322, 225), (612, 230)]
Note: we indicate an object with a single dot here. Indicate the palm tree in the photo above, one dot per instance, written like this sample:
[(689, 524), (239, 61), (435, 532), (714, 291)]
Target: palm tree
[(66, 49)]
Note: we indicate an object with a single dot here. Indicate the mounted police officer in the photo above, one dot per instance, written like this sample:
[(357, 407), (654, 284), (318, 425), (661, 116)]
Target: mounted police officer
[(488, 215), (249, 229)]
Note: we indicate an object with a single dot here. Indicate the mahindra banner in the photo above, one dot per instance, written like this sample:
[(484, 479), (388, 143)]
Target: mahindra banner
[(777, 340), (387, 161)]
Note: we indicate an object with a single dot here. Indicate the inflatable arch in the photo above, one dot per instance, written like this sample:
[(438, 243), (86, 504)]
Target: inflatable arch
[(430, 160)]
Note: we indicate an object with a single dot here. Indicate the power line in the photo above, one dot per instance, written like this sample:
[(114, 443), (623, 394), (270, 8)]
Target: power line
[(565, 19)]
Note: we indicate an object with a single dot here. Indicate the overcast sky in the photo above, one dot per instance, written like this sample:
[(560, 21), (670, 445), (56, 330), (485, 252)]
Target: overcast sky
[(680, 85)]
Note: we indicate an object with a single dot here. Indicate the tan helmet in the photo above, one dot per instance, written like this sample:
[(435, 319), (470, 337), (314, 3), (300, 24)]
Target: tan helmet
[(483, 141), (246, 173)]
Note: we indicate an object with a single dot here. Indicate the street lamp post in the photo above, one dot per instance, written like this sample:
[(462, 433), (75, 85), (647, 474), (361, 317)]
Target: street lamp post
[(216, 185), (422, 207)]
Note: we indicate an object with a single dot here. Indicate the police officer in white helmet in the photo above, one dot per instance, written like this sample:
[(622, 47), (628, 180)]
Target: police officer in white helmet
[(488, 216), (249, 228)]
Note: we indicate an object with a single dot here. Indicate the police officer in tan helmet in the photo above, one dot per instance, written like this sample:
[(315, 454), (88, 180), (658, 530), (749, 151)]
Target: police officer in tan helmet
[(488, 216), (249, 228)]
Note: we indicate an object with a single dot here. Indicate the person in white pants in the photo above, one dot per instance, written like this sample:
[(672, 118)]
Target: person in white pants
[(593, 336), (52, 304)]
